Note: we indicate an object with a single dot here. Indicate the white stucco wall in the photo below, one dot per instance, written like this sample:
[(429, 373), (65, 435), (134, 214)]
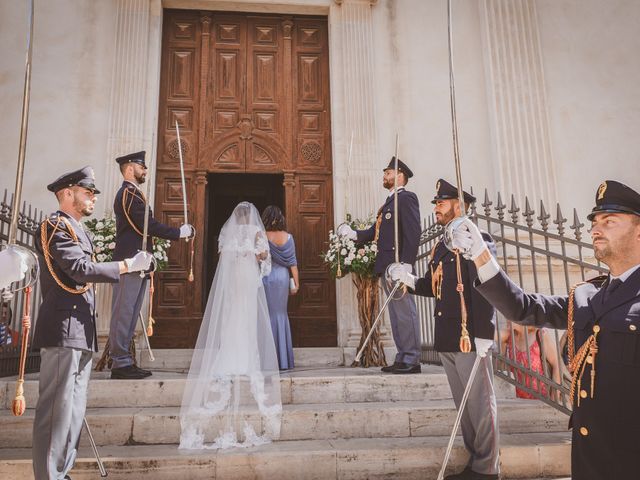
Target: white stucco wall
[(71, 81), (413, 76), (590, 54), (590, 63)]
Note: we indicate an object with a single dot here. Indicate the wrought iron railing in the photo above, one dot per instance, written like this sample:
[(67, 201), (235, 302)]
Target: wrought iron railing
[(11, 310), (541, 254)]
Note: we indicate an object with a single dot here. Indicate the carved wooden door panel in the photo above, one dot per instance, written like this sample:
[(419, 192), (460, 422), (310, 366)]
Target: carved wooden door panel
[(251, 94)]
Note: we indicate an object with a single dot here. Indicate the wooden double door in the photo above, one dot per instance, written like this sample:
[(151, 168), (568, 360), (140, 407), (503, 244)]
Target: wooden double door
[(251, 96)]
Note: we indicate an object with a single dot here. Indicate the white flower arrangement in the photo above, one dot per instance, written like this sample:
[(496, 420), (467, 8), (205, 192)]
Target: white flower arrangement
[(349, 256), (104, 234)]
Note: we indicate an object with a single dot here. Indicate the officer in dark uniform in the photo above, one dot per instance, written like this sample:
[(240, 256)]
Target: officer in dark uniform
[(65, 331), (459, 339), (602, 318), (129, 207), (405, 326)]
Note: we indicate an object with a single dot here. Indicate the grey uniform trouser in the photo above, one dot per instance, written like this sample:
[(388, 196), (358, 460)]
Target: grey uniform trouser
[(128, 295), (479, 419), (64, 376), (405, 327)]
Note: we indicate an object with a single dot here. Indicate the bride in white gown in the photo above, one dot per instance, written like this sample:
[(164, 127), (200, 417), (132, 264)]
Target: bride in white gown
[(232, 396)]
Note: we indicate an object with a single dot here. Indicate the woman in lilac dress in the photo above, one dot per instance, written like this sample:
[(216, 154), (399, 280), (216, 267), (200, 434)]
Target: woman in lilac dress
[(279, 284)]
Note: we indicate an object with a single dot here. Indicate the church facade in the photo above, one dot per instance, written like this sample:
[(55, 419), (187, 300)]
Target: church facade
[(298, 103)]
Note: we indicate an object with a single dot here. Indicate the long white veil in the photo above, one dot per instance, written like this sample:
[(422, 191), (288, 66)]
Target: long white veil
[(232, 396)]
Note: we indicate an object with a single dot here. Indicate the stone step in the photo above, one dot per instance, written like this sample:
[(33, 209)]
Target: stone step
[(161, 425), (538, 455), (326, 385), (180, 359)]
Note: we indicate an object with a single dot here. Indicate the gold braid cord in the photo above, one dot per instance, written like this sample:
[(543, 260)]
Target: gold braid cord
[(436, 275), (586, 353), (127, 201), (465, 340), (46, 249)]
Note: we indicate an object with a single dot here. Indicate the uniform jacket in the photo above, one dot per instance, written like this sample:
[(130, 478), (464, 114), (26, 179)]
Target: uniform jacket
[(128, 240), (66, 319), (480, 313), (606, 427), (408, 231)]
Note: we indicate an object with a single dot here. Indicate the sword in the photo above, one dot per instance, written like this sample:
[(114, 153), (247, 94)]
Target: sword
[(19, 403), (103, 471), (347, 217), (184, 200), (22, 151), (456, 424), (145, 334), (397, 284), (184, 188), (448, 234), (465, 341), (145, 238)]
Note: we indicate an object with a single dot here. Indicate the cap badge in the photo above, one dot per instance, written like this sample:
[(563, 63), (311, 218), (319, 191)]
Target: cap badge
[(601, 189), (438, 187)]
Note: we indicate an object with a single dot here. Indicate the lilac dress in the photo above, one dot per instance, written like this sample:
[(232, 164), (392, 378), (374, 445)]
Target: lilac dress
[(276, 286)]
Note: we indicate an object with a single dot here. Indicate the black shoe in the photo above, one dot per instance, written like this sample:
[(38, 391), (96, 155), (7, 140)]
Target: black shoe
[(404, 368), (483, 476), (390, 368), (147, 373), (463, 475), (127, 373)]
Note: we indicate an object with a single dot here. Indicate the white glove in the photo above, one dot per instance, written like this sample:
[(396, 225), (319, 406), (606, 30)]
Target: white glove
[(483, 345), (140, 262), (186, 231), (13, 266), (345, 230), (468, 239), (402, 272)]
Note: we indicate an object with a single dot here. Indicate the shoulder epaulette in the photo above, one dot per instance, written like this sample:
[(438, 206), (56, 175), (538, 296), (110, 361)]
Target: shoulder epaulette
[(597, 281)]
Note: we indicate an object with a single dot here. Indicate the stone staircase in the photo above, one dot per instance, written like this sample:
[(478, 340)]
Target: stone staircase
[(338, 423)]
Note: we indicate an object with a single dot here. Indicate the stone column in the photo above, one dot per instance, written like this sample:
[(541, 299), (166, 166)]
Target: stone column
[(133, 109), (517, 100), (356, 178)]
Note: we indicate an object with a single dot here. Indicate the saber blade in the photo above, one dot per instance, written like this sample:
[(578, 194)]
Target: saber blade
[(454, 119), (456, 424), (375, 323), (396, 240), (94, 447), (24, 127), (147, 212), (184, 189)]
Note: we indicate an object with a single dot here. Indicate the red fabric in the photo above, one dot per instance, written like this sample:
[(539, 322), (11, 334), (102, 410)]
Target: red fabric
[(536, 366)]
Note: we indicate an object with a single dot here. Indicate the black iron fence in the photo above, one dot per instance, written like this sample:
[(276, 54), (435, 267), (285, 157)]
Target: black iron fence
[(11, 309), (542, 253)]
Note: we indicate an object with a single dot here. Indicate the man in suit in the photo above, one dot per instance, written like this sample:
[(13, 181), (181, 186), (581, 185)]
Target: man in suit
[(65, 331), (460, 337), (402, 311), (129, 207), (602, 318)]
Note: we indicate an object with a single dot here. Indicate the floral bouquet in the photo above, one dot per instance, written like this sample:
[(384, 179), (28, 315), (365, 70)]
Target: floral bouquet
[(104, 234), (344, 256)]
